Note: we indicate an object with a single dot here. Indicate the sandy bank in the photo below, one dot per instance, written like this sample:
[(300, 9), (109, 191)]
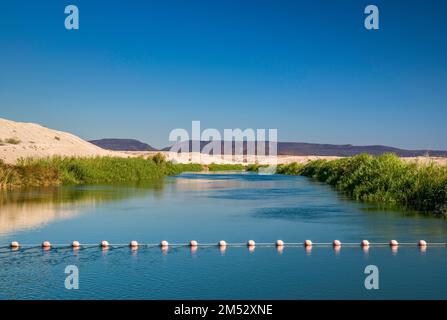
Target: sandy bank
[(30, 140)]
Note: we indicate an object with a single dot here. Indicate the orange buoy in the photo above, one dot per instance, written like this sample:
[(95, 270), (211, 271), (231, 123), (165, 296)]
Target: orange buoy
[(104, 244), (14, 245), (364, 243), (75, 244), (394, 243), (336, 243), (422, 243), (251, 243), (193, 243), (307, 243), (279, 243), (164, 244), (46, 244), (222, 243), (133, 244)]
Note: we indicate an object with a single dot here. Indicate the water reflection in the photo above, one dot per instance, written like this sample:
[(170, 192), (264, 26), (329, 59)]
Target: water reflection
[(206, 207), (280, 249), (394, 250), (308, 250), (25, 209)]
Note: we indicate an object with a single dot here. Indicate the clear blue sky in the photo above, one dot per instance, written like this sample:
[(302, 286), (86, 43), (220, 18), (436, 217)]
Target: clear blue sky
[(137, 69)]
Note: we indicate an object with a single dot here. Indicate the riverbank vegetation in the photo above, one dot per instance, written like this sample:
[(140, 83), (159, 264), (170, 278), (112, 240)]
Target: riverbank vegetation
[(57, 170), (384, 179), (226, 167), (255, 167)]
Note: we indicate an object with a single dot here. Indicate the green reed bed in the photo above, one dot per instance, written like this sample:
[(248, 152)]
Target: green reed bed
[(31, 174), (254, 167), (226, 167), (58, 170), (384, 179), (172, 169)]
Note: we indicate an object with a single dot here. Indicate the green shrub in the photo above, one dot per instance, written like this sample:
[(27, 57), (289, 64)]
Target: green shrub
[(159, 158), (12, 141)]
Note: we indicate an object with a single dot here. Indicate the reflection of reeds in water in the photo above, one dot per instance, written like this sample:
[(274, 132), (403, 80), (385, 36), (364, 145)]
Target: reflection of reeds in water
[(22, 209)]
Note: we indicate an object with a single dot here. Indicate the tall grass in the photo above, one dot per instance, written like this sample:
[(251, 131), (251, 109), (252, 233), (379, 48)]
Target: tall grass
[(99, 169), (384, 179), (254, 167), (27, 175), (291, 168), (226, 167), (58, 170), (172, 169)]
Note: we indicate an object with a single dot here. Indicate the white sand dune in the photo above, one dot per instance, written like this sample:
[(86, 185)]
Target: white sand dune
[(36, 141)]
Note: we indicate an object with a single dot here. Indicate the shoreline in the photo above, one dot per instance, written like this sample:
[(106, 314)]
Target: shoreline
[(383, 179), (205, 159)]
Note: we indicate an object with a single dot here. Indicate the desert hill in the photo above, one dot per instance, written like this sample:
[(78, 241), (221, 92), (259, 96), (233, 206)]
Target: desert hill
[(30, 140)]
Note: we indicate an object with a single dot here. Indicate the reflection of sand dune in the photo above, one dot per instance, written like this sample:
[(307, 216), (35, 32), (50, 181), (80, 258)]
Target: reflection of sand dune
[(20, 216), (207, 184), (29, 209)]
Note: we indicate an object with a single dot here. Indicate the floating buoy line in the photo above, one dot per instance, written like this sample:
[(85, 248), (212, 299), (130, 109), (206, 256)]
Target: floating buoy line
[(222, 244)]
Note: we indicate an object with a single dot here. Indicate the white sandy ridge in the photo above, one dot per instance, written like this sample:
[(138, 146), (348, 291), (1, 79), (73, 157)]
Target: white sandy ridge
[(30, 140)]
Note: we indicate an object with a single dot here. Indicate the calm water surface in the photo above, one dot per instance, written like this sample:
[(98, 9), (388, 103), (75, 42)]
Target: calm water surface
[(208, 208)]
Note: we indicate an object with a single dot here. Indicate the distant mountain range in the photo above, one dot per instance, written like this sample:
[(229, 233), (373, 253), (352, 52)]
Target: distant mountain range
[(283, 148), (315, 149), (346, 150), (122, 145)]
